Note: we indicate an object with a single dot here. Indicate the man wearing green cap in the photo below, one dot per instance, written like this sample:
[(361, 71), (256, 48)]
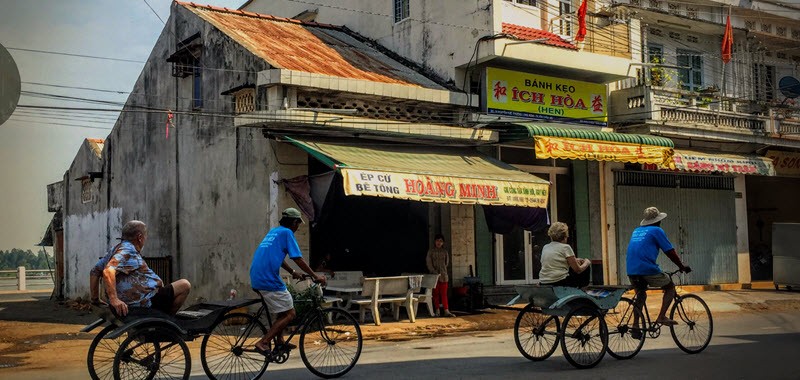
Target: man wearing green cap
[(265, 277)]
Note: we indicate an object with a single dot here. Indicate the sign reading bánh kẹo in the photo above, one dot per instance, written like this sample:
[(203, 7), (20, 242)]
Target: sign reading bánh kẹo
[(516, 93)]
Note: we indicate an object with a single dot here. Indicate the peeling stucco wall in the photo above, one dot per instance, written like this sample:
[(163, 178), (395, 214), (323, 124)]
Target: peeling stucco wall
[(462, 245), (86, 239)]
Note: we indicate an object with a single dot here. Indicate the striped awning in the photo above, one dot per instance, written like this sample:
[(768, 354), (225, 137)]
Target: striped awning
[(427, 173), (589, 144)]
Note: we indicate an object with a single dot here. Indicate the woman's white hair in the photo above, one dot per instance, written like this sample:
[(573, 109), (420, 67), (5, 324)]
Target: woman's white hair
[(558, 231)]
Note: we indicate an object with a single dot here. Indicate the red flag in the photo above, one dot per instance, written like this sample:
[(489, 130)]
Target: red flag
[(727, 42), (581, 22)]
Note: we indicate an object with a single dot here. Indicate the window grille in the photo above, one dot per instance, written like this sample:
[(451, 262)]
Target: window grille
[(401, 10), (86, 191), (781, 31)]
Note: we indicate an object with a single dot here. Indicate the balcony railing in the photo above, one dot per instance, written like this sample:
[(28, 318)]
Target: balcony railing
[(679, 107)]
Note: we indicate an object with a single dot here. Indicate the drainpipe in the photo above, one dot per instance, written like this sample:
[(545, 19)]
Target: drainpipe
[(603, 222), (178, 254)]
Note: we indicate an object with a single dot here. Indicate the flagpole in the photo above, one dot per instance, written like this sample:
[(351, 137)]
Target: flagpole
[(724, 69)]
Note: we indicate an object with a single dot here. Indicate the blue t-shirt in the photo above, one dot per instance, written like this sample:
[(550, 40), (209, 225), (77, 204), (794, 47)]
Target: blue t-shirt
[(267, 260), (643, 250)]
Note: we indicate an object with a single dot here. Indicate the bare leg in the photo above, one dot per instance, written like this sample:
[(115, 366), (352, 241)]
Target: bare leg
[(641, 298), (181, 288), (669, 294), (277, 328)]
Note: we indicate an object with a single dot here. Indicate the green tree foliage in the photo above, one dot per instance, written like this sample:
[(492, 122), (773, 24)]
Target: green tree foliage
[(16, 257)]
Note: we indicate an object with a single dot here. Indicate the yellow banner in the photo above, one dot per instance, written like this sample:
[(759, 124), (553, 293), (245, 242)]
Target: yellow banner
[(516, 93), (443, 189), (576, 149)]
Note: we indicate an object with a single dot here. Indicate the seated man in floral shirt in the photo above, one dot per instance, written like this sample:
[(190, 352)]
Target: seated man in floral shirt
[(130, 282)]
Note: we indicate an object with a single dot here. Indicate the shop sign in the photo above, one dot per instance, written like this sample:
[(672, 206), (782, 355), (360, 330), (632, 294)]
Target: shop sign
[(521, 94), (787, 164), (443, 189), (578, 149), (733, 164)]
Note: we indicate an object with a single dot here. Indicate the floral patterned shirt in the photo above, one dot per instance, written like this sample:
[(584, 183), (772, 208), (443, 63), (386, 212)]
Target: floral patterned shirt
[(136, 282)]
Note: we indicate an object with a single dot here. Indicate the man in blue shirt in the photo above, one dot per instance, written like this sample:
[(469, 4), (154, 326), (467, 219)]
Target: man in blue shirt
[(643, 271), (268, 259), (130, 282)]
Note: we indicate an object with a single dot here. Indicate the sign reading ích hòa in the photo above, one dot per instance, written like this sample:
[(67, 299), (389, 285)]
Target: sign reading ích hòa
[(516, 93)]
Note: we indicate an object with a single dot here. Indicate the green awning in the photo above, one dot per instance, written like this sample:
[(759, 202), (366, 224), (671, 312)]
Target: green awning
[(427, 173), (523, 131)]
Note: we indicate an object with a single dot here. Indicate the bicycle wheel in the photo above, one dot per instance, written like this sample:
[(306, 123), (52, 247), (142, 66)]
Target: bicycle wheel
[(152, 353), (330, 343), (625, 339), (228, 352), (100, 359), (536, 334), (584, 337), (695, 325)]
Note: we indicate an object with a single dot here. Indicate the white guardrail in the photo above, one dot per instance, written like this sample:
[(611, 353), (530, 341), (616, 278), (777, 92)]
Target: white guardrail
[(22, 275)]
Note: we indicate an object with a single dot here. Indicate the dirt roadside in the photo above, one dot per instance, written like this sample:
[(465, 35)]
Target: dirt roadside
[(42, 334)]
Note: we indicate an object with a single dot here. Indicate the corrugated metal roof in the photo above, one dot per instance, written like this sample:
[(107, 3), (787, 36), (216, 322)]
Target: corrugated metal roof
[(526, 34), (96, 145), (309, 47)]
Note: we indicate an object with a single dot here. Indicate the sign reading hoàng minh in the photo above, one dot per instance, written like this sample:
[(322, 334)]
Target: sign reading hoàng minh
[(443, 189), (516, 93)]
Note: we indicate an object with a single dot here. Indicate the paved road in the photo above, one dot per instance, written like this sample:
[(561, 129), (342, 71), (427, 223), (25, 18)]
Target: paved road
[(746, 345)]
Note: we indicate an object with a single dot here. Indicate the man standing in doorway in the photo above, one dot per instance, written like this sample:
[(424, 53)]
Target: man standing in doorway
[(265, 277)]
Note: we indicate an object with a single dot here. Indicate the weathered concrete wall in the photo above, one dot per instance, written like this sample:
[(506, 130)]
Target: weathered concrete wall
[(204, 191), (439, 34), (462, 244), (86, 239), (89, 227)]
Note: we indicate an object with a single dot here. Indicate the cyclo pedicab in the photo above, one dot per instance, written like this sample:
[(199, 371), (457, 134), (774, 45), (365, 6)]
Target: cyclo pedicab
[(600, 319), (149, 344)]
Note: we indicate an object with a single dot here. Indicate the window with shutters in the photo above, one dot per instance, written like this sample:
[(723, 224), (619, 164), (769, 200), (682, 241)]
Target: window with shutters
[(691, 72)]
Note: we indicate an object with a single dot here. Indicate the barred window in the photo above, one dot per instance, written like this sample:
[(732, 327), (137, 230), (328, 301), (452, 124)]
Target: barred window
[(401, 10), (86, 191)]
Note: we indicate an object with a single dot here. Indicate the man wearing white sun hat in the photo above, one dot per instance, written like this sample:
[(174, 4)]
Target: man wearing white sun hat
[(643, 271)]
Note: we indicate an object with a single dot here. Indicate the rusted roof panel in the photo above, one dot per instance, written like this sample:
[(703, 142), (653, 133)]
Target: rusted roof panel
[(309, 47), (96, 145), (526, 34)]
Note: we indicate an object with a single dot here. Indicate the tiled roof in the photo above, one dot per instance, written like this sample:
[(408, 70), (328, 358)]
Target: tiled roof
[(526, 33), (309, 46)]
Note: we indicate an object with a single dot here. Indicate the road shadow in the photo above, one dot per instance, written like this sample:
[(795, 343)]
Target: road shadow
[(37, 307), (748, 356)]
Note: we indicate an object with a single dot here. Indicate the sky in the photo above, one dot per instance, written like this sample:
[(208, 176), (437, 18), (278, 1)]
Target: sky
[(37, 147)]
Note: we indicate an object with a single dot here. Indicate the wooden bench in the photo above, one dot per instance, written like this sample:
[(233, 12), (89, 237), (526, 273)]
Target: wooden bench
[(394, 290)]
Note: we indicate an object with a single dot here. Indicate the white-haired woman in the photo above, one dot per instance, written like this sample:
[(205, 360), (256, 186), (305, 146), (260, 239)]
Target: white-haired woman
[(560, 267)]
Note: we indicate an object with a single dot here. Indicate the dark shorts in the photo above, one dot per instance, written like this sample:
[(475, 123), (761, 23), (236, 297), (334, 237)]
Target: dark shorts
[(641, 283), (163, 299)]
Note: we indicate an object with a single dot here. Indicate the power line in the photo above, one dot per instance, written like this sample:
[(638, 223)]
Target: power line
[(154, 12), (75, 55), (75, 87)]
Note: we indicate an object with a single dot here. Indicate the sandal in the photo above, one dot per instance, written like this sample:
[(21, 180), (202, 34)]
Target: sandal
[(266, 352), (667, 322)]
